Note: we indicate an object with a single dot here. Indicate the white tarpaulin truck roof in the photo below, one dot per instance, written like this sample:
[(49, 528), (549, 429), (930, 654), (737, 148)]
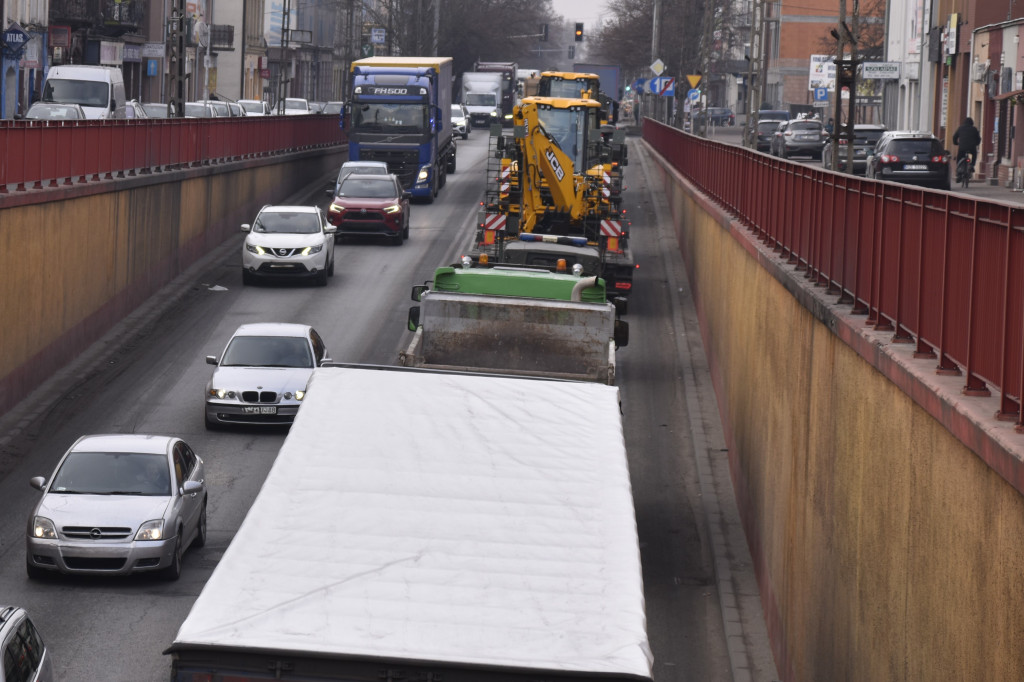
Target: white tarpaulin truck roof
[(480, 521)]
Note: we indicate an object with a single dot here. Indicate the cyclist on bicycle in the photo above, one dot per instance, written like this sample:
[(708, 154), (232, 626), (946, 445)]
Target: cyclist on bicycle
[(967, 138)]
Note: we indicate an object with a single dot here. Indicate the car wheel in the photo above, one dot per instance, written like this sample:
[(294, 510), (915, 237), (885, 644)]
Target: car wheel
[(173, 572), (433, 189), (200, 540), (465, 136), (405, 230), (451, 163), (330, 269), (246, 278), (321, 278)]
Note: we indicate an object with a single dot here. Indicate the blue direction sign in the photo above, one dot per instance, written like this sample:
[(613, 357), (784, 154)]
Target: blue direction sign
[(693, 95), (640, 85), (663, 85), (15, 39)]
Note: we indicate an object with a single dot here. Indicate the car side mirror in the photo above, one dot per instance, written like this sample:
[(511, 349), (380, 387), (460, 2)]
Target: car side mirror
[(37, 482), (417, 292), (191, 488), (211, 359), (246, 227), (326, 359), (414, 318), (330, 229)]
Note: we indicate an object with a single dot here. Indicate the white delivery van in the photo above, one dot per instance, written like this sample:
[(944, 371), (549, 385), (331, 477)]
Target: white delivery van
[(98, 89)]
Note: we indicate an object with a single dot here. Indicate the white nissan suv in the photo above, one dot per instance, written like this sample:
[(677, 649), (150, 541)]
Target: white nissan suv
[(288, 242)]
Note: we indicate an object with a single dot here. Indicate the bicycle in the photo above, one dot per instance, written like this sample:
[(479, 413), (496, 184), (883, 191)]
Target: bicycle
[(965, 169)]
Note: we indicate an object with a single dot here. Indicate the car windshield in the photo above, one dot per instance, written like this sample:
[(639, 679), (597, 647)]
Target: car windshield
[(332, 108), (915, 148), (411, 117), (113, 473), (570, 88), (156, 110), (296, 105), (194, 110), (370, 188), (267, 351), (805, 126), (456, 111), (287, 222), (480, 99), (86, 93), (52, 112), (767, 126), (868, 137)]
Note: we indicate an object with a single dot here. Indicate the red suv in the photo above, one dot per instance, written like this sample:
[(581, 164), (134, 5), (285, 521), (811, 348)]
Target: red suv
[(371, 205)]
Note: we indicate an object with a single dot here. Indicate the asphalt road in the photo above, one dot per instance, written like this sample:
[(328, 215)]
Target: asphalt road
[(148, 375)]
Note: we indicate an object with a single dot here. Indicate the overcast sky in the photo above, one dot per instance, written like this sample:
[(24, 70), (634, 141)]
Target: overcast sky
[(587, 11)]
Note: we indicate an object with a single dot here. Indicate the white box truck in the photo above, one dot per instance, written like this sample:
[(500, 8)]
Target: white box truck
[(432, 526), (481, 94)]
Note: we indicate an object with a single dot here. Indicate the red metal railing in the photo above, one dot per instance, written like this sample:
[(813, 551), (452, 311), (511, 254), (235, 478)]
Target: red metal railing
[(39, 154), (941, 270)]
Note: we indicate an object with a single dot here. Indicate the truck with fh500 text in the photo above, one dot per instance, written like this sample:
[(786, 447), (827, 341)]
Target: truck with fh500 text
[(444, 526), (399, 112), (514, 320)]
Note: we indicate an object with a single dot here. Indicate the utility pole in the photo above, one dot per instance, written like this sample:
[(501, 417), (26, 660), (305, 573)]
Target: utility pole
[(837, 125), (285, 35), (851, 117), (656, 32), (754, 71), (176, 59)]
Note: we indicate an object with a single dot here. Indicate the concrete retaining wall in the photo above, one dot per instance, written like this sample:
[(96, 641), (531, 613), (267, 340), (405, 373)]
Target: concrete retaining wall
[(74, 261), (887, 547)]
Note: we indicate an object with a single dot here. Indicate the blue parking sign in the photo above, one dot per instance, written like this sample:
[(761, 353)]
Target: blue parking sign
[(820, 94)]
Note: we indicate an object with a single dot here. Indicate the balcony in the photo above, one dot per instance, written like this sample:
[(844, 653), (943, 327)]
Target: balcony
[(105, 17)]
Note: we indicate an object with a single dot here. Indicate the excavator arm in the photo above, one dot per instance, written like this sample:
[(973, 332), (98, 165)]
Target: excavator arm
[(541, 156)]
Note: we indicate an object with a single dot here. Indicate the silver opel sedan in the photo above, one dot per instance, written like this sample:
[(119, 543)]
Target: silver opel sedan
[(262, 374), (118, 504)]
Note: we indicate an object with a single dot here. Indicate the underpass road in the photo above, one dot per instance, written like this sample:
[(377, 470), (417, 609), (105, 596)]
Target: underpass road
[(147, 376)]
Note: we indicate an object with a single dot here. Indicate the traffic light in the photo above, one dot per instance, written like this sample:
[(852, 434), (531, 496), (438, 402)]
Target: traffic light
[(572, 51), (579, 32)]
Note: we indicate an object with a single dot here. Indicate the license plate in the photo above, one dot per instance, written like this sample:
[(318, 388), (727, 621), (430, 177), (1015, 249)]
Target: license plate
[(915, 166), (261, 409)]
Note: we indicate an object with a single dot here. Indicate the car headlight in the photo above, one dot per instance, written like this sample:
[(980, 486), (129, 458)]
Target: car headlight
[(335, 208), (299, 395), (312, 249), (494, 113), (253, 248), (424, 174), (394, 208), (42, 527), (151, 530), (221, 393)]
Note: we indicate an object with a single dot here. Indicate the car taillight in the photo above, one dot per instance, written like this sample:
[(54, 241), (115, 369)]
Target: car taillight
[(938, 159), (889, 158), (842, 141)]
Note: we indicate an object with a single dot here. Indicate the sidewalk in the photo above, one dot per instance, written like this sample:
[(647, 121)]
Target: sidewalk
[(980, 188)]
